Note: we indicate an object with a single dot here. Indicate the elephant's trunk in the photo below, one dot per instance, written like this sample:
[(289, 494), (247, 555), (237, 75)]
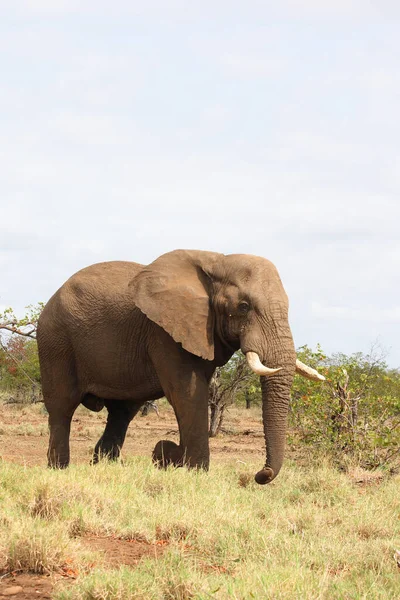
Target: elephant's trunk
[(275, 402), (275, 398)]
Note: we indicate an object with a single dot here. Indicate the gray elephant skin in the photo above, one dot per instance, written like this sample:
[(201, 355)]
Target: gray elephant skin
[(118, 334)]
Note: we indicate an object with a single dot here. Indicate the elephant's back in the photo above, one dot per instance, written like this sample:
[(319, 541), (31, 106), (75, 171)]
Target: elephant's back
[(93, 293), (101, 284), (105, 275)]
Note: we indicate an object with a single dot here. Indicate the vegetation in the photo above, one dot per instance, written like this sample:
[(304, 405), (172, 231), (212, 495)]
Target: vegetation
[(355, 415), (26, 326), (316, 533), (225, 386), (19, 362)]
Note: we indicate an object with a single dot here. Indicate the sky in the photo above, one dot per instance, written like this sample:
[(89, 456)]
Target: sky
[(131, 128)]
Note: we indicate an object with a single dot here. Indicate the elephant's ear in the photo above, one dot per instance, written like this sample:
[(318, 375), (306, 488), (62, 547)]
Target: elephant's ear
[(173, 291)]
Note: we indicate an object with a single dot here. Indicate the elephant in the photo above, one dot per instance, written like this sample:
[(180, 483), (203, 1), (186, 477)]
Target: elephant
[(119, 334)]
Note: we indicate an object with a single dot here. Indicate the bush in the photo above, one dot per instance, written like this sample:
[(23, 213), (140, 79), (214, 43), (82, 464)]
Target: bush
[(19, 370), (355, 414)]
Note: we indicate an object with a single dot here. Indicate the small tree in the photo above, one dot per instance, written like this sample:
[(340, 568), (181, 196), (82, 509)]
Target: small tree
[(19, 361), (224, 385), (27, 326), (355, 413)]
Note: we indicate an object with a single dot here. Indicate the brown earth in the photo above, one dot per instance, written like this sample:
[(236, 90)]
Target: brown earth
[(25, 586), (24, 438)]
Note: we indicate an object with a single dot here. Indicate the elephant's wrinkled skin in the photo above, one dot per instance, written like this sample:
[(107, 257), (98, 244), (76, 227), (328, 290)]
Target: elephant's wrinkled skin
[(119, 333)]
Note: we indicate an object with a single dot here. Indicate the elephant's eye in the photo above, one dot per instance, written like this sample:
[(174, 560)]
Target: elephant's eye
[(244, 307)]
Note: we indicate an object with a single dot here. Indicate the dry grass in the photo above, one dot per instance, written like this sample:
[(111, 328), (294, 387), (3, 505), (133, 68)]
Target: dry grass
[(314, 533), (36, 546)]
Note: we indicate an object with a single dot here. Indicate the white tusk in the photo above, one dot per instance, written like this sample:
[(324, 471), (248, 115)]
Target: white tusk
[(255, 364), (308, 372)]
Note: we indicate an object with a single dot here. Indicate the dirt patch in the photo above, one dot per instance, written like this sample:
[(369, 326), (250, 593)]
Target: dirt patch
[(118, 552), (115, 552), (25, 586)]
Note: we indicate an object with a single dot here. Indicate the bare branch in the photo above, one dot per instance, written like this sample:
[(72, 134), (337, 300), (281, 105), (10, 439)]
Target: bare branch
[(13, 328), (27, 326)]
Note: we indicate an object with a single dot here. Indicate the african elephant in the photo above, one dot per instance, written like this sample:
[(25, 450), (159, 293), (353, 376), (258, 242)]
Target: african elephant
[(119, 334)]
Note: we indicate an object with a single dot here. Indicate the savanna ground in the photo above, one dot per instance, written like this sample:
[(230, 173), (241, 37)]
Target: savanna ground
[(128, 530)]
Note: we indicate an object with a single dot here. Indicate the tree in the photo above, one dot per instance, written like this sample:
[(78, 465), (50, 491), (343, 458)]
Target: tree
[(224, 385), (19, 361), (26, 326)]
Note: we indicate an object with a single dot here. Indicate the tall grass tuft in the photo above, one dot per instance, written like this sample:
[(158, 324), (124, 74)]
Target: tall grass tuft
[(36, 546)]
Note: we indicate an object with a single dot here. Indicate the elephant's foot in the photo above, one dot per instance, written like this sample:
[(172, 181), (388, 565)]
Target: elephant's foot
[(108, 453), (168, 453), (57, 465), (55, 461), (58, 451), (99, 456)]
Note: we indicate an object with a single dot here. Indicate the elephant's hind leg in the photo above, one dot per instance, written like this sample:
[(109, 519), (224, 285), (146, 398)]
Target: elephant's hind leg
[(60, 416), (58, 452), (120, 414), (61, 398)]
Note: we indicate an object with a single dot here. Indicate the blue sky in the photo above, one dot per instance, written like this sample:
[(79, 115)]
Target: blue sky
[(128, 129)]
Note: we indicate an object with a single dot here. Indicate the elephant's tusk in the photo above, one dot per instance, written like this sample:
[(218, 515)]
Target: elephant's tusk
[(308, 372), (255, 364)]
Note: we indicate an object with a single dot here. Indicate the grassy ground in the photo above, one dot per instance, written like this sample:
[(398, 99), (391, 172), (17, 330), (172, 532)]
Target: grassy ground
[(312, 534), (127, 530)]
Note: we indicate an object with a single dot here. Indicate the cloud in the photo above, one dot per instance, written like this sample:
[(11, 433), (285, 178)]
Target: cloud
[(251, 65), (369, 314), (303, 9)]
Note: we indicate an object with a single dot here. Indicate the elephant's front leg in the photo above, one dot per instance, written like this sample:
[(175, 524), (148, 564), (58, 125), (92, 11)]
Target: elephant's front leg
[(191, 409), (189, 399), (120, 414)]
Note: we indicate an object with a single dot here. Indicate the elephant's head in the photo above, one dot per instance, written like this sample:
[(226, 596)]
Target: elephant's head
[(205, 300)]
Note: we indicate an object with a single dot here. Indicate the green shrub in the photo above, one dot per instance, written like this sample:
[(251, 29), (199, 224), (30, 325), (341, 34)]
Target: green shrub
[(355, 413)]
